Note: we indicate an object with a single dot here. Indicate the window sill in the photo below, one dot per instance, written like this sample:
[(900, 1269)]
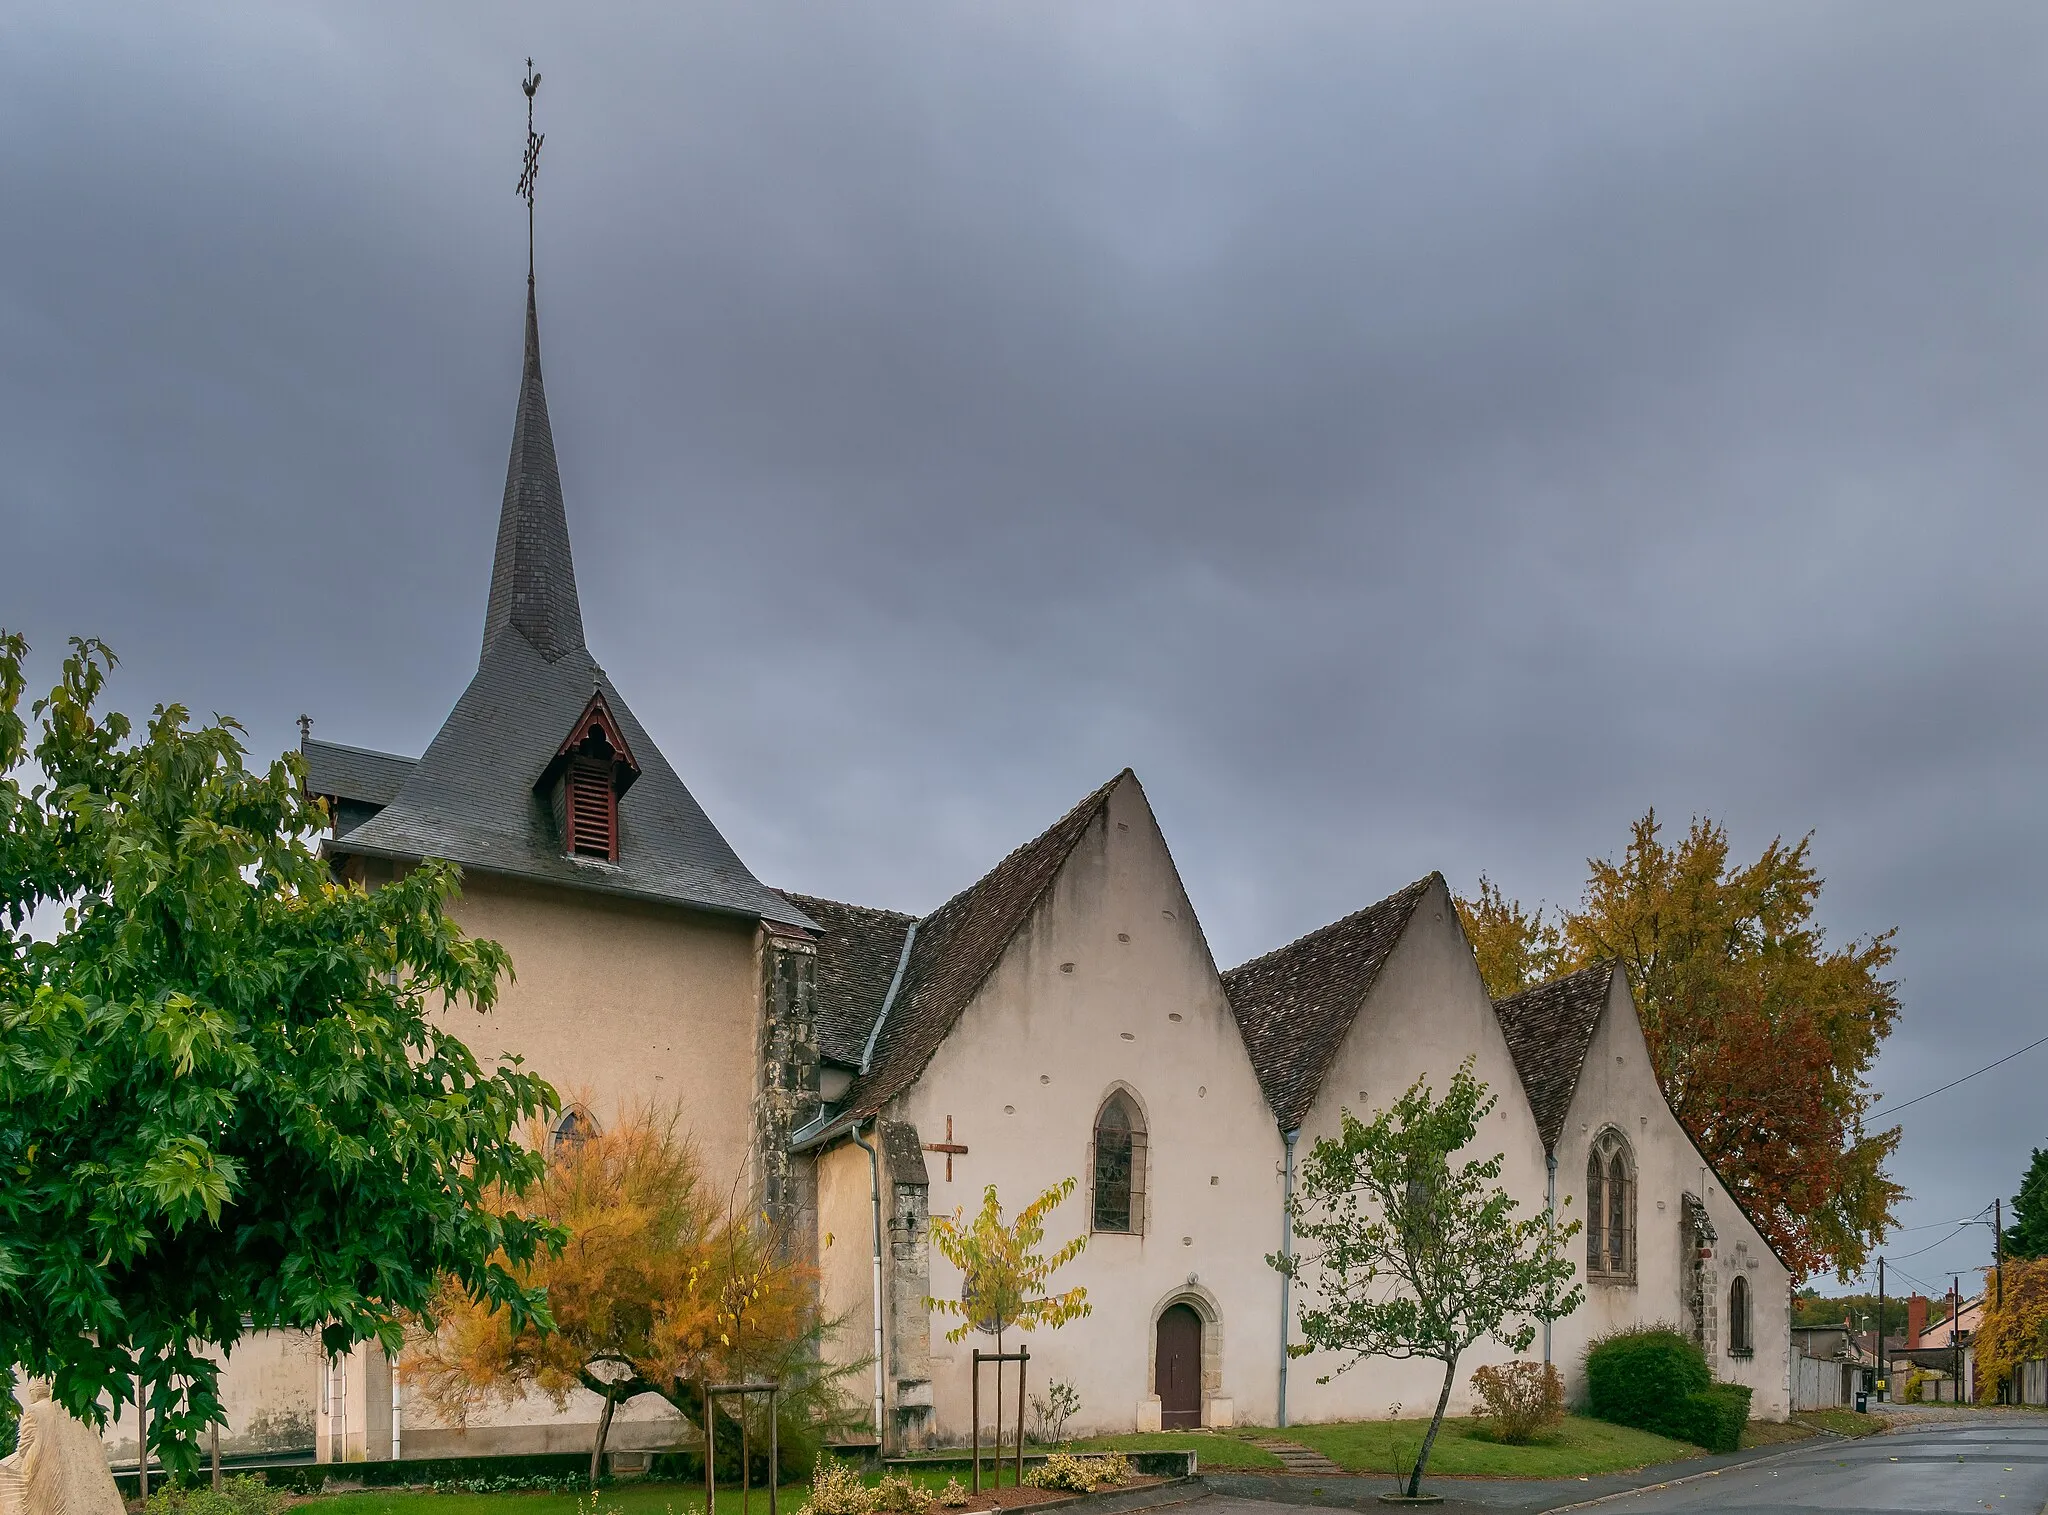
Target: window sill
[(1613, 1280), (1114, 1231), (1742, 1351)]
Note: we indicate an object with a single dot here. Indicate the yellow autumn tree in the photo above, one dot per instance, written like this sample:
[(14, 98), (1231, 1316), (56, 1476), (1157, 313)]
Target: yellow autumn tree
[(2016, 1330), (1726, 958), (662, 1287)]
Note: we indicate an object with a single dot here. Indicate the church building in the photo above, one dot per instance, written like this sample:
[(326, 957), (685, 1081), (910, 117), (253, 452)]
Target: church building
[(859, 1070)]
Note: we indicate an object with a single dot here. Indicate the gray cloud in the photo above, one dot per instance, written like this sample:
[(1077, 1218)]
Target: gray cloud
[(1411, 438)]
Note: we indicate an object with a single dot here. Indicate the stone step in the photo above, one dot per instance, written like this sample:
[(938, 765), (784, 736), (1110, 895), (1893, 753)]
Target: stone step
[(1296, 1458)]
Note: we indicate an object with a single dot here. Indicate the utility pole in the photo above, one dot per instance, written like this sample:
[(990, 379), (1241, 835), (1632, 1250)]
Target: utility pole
[(1883, 1383), (1955, 1340), (1998, 1247)]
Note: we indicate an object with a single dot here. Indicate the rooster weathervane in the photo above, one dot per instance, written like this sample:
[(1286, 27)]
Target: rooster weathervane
[(531, 172)]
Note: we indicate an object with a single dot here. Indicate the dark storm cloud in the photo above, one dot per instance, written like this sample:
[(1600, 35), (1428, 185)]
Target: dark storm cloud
[(1411, 437)]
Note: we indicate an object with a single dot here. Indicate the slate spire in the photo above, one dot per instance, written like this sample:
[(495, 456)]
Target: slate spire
[(533, 579)]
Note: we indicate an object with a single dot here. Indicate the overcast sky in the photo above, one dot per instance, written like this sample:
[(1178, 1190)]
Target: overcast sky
[(1411, 437)]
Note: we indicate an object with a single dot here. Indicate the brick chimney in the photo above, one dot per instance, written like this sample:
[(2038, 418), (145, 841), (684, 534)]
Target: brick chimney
[(1916, 1319)]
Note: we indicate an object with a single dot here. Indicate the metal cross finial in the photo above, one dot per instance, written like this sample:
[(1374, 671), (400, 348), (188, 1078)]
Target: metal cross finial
[(531, 172), (305, 729)]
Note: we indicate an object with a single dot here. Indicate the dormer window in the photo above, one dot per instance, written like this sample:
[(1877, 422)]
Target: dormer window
[(591, 769)]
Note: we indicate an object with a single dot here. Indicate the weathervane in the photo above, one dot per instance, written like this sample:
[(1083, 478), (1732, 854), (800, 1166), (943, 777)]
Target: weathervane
[(531, 171)]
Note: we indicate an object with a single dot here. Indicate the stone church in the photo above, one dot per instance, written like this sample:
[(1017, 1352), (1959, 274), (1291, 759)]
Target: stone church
[(860, 1069)]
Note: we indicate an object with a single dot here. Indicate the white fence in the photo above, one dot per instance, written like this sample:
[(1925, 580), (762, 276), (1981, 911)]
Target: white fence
[(2030, 1382), (1821, 1383)]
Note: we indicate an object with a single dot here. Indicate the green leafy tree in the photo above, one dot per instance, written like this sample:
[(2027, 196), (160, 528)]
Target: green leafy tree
[(1725, 957), (1410, 1255), (1005, 1280), (222, 1094), (2027, 1236)]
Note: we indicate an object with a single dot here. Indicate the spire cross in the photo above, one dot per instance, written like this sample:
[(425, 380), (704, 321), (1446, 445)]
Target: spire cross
[(531, 172)]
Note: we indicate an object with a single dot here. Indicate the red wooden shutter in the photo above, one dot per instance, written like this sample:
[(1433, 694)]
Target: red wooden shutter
[(592, 811)]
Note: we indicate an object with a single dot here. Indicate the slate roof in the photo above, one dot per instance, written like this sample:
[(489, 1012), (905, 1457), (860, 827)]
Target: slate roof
[(470, 798), (354, 773), (857, 957), (533, 577), (1549, 1030), (1295, 1004), (956, 948)]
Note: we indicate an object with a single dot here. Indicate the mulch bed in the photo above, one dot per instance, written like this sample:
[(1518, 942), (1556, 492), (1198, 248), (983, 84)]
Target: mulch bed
[(1017, 1499)]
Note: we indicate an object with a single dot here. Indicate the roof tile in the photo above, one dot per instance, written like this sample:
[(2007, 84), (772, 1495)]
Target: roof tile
[(1295, 1004)]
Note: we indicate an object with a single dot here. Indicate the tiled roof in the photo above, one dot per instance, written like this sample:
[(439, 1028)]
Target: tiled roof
[(857, 957), (1549, 1029), (354, 773), (533, 578), (1294, 1005), (957, 947), (471, 798)]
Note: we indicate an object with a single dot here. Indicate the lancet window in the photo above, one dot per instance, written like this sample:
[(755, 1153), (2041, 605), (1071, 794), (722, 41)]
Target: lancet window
[(1119, 1166), (1611, 1209)]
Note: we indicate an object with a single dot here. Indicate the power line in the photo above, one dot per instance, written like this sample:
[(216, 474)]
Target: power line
[(2029, 1047)]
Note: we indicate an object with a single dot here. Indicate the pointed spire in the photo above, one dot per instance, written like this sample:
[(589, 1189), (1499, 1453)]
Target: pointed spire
[(533, 580)]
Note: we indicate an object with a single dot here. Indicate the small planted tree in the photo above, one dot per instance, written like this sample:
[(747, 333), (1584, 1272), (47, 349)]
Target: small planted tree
[(230, 1094), (1005, 1280), (1409, 1255), (662, 1286)]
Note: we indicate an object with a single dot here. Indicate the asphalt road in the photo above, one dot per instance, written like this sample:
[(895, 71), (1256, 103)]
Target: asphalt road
[(1998, 1466)]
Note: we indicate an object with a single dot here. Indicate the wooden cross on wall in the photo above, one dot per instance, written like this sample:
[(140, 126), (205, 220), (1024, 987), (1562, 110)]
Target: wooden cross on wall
[(949, 1147)]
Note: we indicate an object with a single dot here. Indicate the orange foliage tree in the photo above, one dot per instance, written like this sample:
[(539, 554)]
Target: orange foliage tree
[(1762, 1032), (661, 1288), (2015, 1331)]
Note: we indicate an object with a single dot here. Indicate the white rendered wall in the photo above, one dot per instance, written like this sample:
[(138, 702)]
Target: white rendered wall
[(1023, 1075), (1427, 1012)]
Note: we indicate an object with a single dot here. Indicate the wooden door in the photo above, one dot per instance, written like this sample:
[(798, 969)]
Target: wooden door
[(1177, 1369)]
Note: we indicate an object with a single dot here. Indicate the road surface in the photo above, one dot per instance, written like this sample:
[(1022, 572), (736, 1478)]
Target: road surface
[(1999, 1465)]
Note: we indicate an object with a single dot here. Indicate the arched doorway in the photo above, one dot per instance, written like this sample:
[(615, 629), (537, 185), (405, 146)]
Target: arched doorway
[(1177, 1368)]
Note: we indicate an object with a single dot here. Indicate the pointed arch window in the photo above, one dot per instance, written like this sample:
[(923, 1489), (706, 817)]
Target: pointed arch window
[(1739, 1337), (576, 1126), (1118, 1168), (1611, 1209)]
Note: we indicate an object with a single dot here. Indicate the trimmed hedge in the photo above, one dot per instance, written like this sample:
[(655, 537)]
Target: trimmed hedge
[(1656, 1379), (1713, 1417)]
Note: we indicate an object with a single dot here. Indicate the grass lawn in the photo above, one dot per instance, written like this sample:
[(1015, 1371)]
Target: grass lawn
[(1845, 1422), (1579, 1448), (1769, 1433)]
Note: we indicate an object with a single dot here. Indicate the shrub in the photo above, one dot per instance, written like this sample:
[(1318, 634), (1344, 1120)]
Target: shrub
[(1634, 1377), (1084, 1475), (1712, 1418), (900, 1494), (836, 1489), (1062, 1400), (242, 1495), (1522, 1399), (1916, 1382), (953, 1495), (1656, 1379)]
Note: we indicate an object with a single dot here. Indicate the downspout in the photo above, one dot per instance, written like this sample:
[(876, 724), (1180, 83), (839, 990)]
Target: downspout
[(1550, 1211), (1287, 1254), (875, 1198)]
